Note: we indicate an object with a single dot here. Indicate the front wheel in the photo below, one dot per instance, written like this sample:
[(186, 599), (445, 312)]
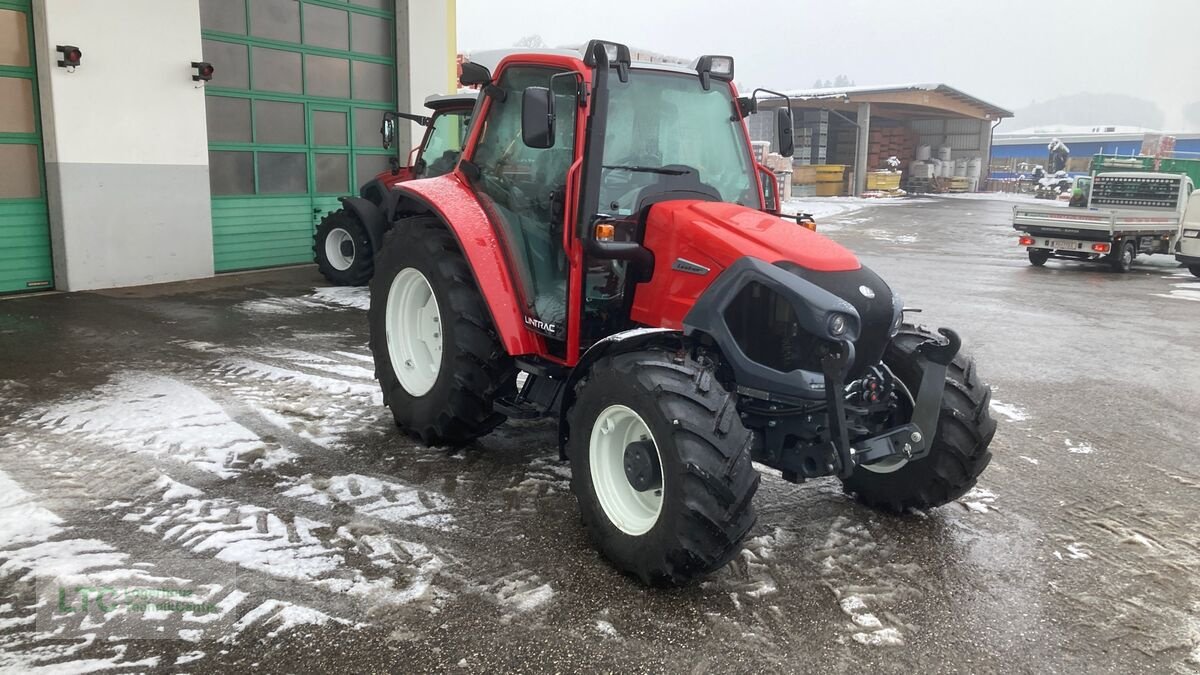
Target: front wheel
[(960, 446), (1038, 256), (342, 249), (1122, 259), (437, 358), (660, 465)]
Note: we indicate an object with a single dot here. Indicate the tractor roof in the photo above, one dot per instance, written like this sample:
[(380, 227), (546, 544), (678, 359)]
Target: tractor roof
[(491, 58), (440, 102)]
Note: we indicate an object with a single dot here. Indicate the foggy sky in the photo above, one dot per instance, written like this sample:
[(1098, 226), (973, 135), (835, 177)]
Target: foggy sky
[(1007, 52)]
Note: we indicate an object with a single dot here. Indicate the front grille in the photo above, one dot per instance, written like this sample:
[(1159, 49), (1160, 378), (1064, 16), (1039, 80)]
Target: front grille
[(764, 326)]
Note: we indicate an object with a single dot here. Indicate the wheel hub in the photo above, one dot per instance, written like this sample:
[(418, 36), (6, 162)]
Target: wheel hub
[(413, 331), (629, 492), (339, 249), (641, 466)]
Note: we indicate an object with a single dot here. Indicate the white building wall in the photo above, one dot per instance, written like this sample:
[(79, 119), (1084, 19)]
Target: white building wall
[(425, 55), (125, 142)]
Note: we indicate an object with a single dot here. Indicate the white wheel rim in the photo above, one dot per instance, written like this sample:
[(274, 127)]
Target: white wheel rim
[(887, 465), (339, 249), (632, 512), (413, 329)]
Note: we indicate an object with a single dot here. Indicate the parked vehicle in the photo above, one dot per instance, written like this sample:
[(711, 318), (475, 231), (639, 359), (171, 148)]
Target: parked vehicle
[(1129, 214), (345, 241), (607, 233), (1187, 246)]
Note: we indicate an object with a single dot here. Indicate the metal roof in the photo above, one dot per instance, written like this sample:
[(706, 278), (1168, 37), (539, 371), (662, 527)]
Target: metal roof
[(850, 94)]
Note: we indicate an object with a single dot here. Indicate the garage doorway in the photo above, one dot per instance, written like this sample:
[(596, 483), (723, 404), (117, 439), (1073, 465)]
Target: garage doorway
[(25, 262), (294, 107)]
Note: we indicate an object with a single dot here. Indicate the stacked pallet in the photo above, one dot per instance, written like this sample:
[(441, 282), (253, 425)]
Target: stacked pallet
[(885, 142)]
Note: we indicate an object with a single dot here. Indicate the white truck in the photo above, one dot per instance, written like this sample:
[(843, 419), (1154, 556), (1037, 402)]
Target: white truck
[(1187, 247), (1127, 214)]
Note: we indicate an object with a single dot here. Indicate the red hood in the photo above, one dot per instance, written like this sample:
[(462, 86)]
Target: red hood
[(725, 232)]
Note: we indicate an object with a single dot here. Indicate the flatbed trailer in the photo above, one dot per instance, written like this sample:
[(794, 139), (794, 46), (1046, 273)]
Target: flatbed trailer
[(1130, 214)]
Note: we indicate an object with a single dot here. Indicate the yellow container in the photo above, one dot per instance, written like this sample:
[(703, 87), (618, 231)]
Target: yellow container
[(804, 174), (883, 180), (830, 189), (830, 173)]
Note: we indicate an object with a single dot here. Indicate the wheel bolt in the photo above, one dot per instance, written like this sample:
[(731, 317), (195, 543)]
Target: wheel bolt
[(916, 437)]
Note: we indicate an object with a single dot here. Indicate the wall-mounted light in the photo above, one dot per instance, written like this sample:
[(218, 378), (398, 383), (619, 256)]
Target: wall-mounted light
[(204, 71), (71, 56)]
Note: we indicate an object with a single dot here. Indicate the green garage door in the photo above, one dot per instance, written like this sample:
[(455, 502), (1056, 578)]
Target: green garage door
[(24, 224), (294, 109)]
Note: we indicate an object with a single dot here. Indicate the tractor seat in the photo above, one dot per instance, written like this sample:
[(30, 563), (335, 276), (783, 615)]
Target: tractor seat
[(551, 306)]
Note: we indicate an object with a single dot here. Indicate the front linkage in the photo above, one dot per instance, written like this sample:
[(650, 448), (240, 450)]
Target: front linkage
[(834, 437)]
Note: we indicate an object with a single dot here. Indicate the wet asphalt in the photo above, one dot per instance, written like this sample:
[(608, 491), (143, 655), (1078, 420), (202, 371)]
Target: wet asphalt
[(1078, 552)]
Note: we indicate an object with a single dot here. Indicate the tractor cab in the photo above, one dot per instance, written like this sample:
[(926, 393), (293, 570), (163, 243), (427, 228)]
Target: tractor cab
[(441, 144), (607, 232)]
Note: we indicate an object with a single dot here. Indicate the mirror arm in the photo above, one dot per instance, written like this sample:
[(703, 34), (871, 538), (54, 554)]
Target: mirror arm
[(419, 119)]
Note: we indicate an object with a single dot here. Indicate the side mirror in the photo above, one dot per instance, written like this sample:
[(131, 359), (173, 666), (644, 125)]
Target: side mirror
[(474, 75), (388, 131), (783, 131), (537, 117)]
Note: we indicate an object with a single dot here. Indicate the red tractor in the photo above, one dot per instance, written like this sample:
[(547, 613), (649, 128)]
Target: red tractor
[(607, 233), (346, 239)]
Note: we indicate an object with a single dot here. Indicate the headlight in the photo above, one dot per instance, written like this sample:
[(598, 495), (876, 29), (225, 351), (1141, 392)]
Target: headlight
[(1194, 234), (837, 324)]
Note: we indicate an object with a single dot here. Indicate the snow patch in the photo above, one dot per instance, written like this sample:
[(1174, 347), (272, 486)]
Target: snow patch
[(386, 500), (151, 414), (22, 519), (1009, 411), (188, 657), (1079, 448), (884, 637), (357, 297), (606, 629), (1029, 459), (979, 500)]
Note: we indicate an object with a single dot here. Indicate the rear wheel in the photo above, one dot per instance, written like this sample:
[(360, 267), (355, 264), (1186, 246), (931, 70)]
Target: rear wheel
[(342, 249), (437, 358), (660, 464), (1038, 256), (960, 446), (1195, 270), (1122, 258)]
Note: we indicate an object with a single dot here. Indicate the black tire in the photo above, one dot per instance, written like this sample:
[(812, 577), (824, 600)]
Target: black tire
[(362, 264), (960, 448), (1195, 270), (708, 479), (1121, 260), (1038, 256), (474, 366)]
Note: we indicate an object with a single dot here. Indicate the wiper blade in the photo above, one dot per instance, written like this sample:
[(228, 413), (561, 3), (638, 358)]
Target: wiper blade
[(648, 169)]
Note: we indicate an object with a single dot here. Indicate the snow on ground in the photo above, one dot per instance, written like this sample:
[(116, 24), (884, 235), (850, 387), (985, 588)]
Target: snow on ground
[(1003, 197), (157, 415), (322, 297), (387, 500), (1009, 411), (1185, 286), (1079, 448), (979, 500), (824, 208)]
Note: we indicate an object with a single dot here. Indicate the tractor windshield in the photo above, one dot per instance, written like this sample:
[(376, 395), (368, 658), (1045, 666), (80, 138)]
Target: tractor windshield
[(447, 133), (666, 124)]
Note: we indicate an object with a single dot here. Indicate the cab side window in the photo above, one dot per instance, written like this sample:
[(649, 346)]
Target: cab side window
[(523, 187)]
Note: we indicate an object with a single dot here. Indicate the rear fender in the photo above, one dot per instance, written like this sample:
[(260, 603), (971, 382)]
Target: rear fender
[(617, 343), (453, 202), (371, 217)]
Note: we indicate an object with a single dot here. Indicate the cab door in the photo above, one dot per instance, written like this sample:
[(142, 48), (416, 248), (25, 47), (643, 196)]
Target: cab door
[(524, 190)]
